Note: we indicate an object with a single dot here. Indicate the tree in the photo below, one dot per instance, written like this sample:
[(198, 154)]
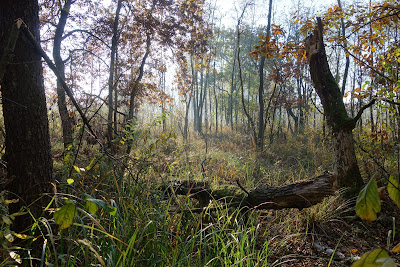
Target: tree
[(185, 86), (258, 135), (28, 156), (66, 120), (341, 124), (111, 82)]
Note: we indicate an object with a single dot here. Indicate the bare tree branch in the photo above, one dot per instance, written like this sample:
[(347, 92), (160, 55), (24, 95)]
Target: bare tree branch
[(87, 32), (57, 73), (360, 112)]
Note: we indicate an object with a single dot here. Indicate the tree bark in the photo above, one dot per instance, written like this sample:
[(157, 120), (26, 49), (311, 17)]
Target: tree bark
[(111, 83), (215, 99), (261, 114), (28, 156), (346, 68), (341, 124), (134, 92), (300, 195), (66, 120), (233, 88)]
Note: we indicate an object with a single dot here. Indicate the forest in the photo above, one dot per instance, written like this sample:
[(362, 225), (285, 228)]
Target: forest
[(199, 133)]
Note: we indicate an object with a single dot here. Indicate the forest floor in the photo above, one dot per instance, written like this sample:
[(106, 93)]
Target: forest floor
[(320, 235), (327, 234), (338, 241)]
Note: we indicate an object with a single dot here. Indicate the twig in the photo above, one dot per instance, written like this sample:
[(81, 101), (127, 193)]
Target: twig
[(241, 187), (390, 101), (367, 65), (203, 170), (360, 112), (30, 36)]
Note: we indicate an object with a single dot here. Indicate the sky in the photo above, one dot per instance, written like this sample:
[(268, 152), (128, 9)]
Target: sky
[(231, 9)]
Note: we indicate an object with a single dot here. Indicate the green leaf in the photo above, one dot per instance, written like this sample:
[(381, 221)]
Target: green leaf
[(70, 181), (368, 202), (6, 219), (91, 164), (102, 204), (393, 189), (91, 206), (65, 216), (15, 214), (77, 169), (386, 262), (375, 258), (112, 211)]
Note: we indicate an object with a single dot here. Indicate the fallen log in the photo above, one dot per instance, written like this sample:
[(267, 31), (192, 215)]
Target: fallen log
[(300, 195)]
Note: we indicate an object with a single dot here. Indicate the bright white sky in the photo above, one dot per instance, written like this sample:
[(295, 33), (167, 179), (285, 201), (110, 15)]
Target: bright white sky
[(231, 9)]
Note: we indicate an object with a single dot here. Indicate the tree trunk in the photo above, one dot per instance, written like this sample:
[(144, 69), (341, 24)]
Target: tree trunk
[(66, 120), (345, 164), (111, 84), (186, 125), (300, 195), (336, 115), (163, 113), (260, 135), (116, 94), (261, 114), (230, 103), (346, 68), (301, 102), (28, 156), (215, 100), (135, 90)]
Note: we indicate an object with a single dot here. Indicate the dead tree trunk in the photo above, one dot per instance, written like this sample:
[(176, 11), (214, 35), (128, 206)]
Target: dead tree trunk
[(341, 124), (300, 195)]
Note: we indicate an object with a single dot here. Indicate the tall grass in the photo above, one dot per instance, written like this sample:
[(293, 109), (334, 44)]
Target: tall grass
[(136, 225)]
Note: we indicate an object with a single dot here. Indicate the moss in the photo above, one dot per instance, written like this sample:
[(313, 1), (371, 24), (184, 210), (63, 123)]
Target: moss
[(220, 191)]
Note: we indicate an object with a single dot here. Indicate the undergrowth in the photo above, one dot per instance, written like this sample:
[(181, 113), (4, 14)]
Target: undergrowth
[(123, 218)]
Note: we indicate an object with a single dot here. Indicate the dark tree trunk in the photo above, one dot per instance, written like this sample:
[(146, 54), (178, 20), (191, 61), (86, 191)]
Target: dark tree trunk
[(300, 97), (116, 94), (136, 83), (346, 68), (135, 90), (300, 195), (66, 120), (200, 104), (28, 156), (341, 124), (260, 135), (261, 114)]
